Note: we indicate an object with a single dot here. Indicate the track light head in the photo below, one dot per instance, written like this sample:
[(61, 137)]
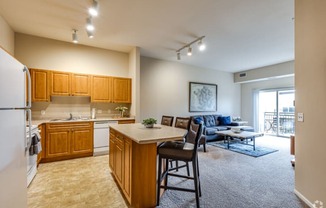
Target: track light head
[(178, 55), (93, 11), (89, 24), (74, 36), (90, 34), (201, 45), (189, 53)]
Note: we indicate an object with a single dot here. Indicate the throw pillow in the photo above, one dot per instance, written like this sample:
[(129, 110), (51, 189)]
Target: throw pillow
[(225, 120), (198, 120)]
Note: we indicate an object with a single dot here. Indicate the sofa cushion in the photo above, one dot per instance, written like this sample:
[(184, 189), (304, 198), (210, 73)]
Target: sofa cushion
[(222, 128), (225, 120), (210, 131), (217, 122), (209, 120)]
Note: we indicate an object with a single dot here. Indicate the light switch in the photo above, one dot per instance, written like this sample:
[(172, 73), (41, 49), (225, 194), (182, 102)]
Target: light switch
[(300, 117)]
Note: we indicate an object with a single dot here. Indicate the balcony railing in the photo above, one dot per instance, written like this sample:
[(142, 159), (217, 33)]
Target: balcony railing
[(285, 126)]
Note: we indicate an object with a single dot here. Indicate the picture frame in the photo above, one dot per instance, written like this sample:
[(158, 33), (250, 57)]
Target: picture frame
[(202, 97)]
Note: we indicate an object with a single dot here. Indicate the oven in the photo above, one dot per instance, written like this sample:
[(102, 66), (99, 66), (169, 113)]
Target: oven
[(33, 148)]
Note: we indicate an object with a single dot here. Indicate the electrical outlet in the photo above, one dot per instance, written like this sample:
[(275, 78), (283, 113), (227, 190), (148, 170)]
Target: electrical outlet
[(42, 112), (300, 117)]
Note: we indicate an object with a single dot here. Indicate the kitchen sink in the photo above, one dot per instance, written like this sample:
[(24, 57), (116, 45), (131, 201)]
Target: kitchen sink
[(70, 119)]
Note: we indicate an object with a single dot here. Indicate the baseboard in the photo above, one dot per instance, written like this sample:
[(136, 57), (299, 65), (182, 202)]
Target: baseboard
[(304, 199)]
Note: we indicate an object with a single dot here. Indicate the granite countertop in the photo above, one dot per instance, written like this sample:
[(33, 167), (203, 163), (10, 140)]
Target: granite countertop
[(142, 135), (52, 120)]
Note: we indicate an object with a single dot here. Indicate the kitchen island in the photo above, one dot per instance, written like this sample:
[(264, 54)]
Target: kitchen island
[(133, 159)]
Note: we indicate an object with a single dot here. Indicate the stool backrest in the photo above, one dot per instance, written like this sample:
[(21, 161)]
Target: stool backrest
[(167, 120), (182, 122), (193, 135)]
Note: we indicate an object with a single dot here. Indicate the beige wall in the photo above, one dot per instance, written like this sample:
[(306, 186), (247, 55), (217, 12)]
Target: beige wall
[(7, 36), (164, 88), (43, 53), (134, 73), (310, 83), (268, 72)]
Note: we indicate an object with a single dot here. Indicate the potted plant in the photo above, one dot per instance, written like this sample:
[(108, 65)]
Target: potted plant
[(122, 109), (149, 122)]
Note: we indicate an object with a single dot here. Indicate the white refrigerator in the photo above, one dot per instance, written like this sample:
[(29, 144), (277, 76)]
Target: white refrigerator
[(13, 143)]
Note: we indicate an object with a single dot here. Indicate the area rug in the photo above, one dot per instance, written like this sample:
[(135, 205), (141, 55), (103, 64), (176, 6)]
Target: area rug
[(245, 149)]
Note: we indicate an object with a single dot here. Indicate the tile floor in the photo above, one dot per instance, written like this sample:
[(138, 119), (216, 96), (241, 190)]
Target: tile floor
[(78, 183)]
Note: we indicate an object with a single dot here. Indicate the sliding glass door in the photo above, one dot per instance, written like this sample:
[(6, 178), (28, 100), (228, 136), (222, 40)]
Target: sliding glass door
[(276, 112)]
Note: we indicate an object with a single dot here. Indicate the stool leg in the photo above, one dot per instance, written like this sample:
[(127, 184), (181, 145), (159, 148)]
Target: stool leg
[(166, 176), (187, 165), (194, 165), (177, 165), (159, 178), (204, 147), (198, 177)]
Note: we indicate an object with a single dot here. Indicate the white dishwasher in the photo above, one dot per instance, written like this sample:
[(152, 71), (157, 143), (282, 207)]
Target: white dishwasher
[(101, 137)]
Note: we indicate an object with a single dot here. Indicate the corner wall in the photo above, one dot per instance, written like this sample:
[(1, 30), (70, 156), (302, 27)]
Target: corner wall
[(165, 89), (44, 53), (7, 37), (310, 82)]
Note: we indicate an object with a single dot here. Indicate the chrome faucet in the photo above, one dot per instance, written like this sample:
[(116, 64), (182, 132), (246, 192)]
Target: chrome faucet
[(70, 118)]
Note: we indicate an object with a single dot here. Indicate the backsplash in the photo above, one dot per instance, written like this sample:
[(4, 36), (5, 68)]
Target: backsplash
[(61, 107)]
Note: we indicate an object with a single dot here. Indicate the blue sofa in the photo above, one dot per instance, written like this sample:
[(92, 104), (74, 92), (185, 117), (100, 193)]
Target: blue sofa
[(213, 123)]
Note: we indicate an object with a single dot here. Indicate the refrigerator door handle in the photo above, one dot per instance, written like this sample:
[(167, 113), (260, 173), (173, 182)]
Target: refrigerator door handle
[(29, 112), (29, 87)]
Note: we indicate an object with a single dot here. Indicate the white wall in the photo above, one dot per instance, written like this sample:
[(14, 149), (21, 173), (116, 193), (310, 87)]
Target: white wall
[(7, 36), (285, 69), (310, 83), (165, 88), (43, 53), (247, 89)]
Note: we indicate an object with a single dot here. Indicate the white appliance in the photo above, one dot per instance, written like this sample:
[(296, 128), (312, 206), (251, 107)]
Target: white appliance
[(101, 137), (13, 139), (31, 158)]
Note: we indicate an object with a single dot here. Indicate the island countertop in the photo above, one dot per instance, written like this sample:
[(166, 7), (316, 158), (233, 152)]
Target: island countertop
[(142, 135)]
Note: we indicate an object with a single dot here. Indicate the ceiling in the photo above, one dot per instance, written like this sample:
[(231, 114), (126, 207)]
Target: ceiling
[(240, 34)]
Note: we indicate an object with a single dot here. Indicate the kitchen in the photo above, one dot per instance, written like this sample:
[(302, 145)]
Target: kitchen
[(45, 57)]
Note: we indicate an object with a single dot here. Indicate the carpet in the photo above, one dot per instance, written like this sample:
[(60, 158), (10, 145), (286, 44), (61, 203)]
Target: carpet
[(245, 149)]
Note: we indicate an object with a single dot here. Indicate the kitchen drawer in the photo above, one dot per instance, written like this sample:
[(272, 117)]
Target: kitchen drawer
[(69, 125)]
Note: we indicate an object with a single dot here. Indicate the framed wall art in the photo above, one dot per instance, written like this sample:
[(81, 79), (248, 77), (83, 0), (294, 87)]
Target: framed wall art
[(202, 97)]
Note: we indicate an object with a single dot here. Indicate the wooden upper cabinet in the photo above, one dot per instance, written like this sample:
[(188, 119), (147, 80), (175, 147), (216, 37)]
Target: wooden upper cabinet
[(121, 90), (101, 89), (81, 85), (60, 83), (40, 85)]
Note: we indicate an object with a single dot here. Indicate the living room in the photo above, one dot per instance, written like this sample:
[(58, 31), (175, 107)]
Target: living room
[(162, 87)]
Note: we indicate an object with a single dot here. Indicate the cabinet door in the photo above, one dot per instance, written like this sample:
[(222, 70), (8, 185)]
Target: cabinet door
[(121, 90), (127, 168), (60, 83), (57, 143), (101, 89), (40, 85), (118, 157), (111, 153), (81, 140), (80, 85)]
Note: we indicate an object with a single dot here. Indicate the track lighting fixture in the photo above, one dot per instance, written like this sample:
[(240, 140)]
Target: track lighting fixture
[(74, 36), (189, 53), (178, 56), (93, 11), (89, 24), (201, 47), (90, 34)]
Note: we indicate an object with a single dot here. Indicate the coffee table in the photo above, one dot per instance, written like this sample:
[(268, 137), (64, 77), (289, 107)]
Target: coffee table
[(243, 135)]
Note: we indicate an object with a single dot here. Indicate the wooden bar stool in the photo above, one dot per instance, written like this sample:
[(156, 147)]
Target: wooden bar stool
[(183, 151)]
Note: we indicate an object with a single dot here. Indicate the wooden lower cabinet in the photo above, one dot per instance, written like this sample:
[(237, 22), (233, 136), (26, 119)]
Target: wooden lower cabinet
[(126, 121), (68, 140), (133, 169)]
